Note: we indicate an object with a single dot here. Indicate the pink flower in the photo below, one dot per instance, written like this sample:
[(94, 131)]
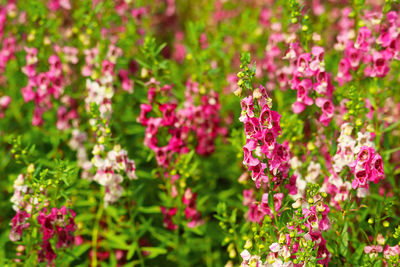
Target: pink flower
[(46, 253), (363, 39), (302, 92), (4, 102), (144, 109), (258, 174), (247, 107), (377, 172), (303, 63), (343, 75), (249, 160), (380, 65), (323, 85), (326, 108), (168, 112), (391, 252), (373, 250), (18, 224), (167, 218)]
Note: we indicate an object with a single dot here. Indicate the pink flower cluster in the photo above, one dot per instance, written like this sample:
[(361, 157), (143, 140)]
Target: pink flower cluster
[(364, 49), (202, 121), (193, 216), (308, 76), (66, 112), (258, 210), (47, 84), (7, 52), (261, 132), (126, 83), (288, 248), (338, 189), (368, 167), (391, 255), (60, 223)]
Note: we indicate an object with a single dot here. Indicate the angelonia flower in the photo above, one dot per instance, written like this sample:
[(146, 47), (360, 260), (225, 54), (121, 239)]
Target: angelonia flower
[(167, 218), (110, 164), (24, 197), (43, 86), (20, 191), (262, 131), (60, 224), (368, 167), (76, 143), (4, 103), (196, 124), (110, 170), (7, 52), (258, 210), (191, 213), (372, 50), (392, 254), (309, 75), (19, 223), (360, 156), (201, 121), (66, 112), (295, 241)]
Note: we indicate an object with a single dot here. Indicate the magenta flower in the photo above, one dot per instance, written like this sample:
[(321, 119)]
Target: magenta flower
[(327, 109), (167, 218)]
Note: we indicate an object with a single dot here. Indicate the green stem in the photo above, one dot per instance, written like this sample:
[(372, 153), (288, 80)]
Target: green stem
[(95, 234)]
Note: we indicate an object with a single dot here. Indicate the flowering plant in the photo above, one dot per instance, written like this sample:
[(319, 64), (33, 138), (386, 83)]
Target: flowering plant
[(199, 133)]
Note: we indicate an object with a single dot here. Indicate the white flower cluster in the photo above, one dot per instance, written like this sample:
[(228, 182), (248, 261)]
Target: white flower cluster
[(110, 169)]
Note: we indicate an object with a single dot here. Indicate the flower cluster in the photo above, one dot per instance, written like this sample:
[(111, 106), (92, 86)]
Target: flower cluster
[(258, 210), (191, 213), (76, 143), (47, 84), (7, 52), (364, 49), (368, 167), (262, 130), (19, 222), (203, 121), (109, 170), (20, 191), (60, 223), (167, 218), (309, 76), (299, 242), (110, 164)]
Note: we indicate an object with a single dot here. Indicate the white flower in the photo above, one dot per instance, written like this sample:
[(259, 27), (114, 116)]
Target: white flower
[(313, 171), (275, 247)]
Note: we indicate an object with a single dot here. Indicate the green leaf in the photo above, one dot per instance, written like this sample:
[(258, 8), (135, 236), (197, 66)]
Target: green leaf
[(151, 209), (344, 241), (233, 216), (154, 252)]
